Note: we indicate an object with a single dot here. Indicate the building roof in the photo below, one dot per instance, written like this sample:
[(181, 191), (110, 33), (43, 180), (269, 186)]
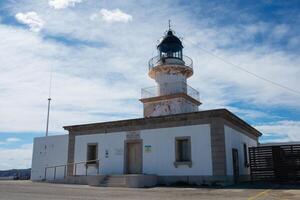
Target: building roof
[(184, 119)]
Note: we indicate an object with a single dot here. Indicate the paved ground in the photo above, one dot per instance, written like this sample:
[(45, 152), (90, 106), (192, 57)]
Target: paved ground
[(19, 190)]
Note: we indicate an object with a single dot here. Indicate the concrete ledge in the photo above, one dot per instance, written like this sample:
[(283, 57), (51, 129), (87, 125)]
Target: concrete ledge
[(140, 180), (199, 180), (80, 180)]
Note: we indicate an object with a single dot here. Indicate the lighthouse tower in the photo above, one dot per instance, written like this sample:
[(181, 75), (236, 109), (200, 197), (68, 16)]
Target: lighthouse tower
[(170, 69)]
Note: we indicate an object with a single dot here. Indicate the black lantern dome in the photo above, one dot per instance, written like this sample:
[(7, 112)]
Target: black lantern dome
[(170, 46)]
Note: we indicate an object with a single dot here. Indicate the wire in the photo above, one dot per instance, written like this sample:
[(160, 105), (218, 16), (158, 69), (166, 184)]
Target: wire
[(251, 73)]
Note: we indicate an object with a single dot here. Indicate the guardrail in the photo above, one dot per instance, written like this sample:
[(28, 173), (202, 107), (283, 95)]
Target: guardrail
[(158, 60), (168, 89), (65, 166)]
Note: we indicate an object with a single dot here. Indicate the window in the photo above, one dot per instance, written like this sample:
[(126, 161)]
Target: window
[(92, 153), (246, 155), (183, 151)]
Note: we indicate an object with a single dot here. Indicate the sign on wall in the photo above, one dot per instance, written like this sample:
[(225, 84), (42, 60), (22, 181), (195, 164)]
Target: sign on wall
[(148, 148), (133, 135)]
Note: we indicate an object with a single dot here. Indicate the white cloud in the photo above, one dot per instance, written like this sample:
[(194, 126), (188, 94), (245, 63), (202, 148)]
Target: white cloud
[(13, 139), (16, 158), (115, 15), (31, 19), (10, 140), (286, 130), (61, 4)]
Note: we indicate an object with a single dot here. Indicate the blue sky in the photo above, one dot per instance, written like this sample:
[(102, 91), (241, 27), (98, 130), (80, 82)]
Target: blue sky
[(98, 51)]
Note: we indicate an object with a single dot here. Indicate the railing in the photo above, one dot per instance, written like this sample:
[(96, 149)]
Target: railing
[(65, 166), (157, 60), (168, 89)]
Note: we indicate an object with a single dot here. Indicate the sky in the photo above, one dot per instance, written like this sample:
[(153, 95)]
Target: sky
[(98, 50)]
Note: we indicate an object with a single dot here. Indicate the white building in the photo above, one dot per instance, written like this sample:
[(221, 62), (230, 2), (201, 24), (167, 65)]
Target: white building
[(174, 142)]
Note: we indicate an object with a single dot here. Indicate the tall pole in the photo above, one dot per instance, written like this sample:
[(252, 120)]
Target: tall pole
[(47, 127), (49, 101)]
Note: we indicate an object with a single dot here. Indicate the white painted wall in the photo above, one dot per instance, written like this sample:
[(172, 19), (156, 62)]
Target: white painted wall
[(235, 139), (111, 142), (49, 151), (162, 156), (160, 160)]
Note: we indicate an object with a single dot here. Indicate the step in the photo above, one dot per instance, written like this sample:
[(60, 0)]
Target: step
[(113, 185), (114, 181)]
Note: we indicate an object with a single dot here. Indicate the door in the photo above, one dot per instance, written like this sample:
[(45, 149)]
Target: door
[(235, 165), (134, 158)]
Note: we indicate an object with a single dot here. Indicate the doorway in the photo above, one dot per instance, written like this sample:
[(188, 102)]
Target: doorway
[(133, 157), (235, 165)]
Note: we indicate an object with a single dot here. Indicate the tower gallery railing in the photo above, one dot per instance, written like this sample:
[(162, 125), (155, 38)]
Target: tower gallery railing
[(168, 89), (157, 60)]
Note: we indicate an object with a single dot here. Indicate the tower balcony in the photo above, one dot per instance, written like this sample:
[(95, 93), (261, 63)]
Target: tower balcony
[(170, 62), (170, 90)]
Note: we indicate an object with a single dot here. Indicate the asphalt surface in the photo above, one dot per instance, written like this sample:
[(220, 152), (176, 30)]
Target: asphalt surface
[(25, 190)]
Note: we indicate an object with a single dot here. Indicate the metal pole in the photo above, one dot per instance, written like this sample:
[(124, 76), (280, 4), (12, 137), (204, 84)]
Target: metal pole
[(54, 173), (86, 169), (47, 127), (45, 173), (49, 100), (65, 171)]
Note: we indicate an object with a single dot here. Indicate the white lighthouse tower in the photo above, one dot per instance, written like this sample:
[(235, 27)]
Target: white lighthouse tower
[(170, 69)]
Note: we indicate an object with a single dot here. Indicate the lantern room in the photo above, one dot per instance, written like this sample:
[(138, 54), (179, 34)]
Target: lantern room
[(170, 46)]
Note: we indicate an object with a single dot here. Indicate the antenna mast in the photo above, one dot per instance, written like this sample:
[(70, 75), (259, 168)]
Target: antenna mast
[(49, 101)]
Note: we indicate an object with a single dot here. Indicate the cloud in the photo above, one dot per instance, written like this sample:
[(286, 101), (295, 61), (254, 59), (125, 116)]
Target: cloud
[(286, 130), (10, 140), (115, 15), (12, 158), (61, 4), (13, 139), (31, 19)]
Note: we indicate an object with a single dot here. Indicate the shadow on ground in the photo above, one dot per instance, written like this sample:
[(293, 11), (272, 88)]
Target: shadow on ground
[(265, 185), (245, 185)]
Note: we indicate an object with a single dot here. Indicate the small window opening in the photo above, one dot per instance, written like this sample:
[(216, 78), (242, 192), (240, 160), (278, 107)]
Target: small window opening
[(92, 154), (183, 151)]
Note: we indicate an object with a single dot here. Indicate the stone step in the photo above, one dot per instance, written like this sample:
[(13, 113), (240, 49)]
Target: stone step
[(113, 185), (113, 181)]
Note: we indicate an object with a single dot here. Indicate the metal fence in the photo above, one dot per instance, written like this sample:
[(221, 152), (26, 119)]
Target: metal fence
[(60, 171), (157, 60), (168, 89), (275, 163)]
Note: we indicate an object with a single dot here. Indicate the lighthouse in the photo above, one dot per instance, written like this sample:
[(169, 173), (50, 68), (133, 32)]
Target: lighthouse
[(172, 143), (170, 69)]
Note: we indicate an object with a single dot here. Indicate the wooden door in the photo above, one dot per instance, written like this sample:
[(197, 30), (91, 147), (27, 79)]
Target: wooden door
[(235, 165), (134, 158)]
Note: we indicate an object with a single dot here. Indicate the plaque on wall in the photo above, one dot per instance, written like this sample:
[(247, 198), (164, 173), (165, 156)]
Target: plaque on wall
[(133, 135), (148, 148)]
